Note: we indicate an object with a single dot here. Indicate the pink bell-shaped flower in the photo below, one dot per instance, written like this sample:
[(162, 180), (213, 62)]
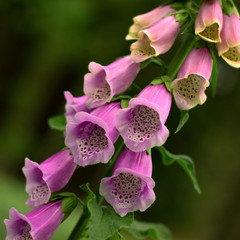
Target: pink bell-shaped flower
[(104, 82), (155, 40), (142, 124), (47, 177), (229, 48), (146, 20), (130, 188), (90, 137), (209, 21), (38, 224), (193, 79)]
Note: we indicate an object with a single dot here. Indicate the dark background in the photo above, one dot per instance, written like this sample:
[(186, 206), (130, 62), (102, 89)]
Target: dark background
[(45, 48)]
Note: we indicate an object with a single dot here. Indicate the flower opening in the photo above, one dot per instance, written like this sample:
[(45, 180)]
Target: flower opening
[(144, 122), (92, 140), (211, 33), (189, 92)]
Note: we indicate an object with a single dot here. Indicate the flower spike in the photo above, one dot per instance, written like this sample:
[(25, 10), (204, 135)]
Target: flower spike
[(146, 20), (142, 124), (209, 21), (90, 137), (193, 79), (38, 224), (104, 82), (229, 48), (130, 188), (49, 176)]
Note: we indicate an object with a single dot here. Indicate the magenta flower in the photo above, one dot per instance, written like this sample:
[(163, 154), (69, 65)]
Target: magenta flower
[(155, 40), (104, 82), (142, 124), (146, 20), (130, 188), (229, 48), (74, 104), (209, 21), (49, 176), (91, 136), (38, 224), (193, 79)]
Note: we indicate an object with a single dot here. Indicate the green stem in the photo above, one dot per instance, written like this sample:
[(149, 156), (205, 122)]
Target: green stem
[(177, 61)]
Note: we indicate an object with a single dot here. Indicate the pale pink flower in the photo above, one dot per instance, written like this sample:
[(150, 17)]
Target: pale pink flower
[(209, 21), (193, 79), (229, 48)]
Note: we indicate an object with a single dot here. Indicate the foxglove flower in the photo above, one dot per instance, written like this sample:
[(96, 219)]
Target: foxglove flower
[(49, 176), (91, 136), (146, 20), (38, 224), (193, 79), (229, 48), (155, 40), (142, 124), (104, 82), (74, 104), (130, 188), (209, 21)]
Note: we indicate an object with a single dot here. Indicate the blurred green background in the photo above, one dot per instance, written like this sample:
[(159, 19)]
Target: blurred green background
[(45, 48)]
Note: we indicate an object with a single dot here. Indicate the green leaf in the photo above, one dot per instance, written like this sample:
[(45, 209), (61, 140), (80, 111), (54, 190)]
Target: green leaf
[(163, 79), (178, 5), (117, 236), (183, 119), (119, 97), (59, 196), (149, 151), (57, 122), (214, 75), (68, 205), (103, 221), (229, 8), (181, 16), (184, 161), (91, 195), (69, 202), (124, 103), (155, 231)]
